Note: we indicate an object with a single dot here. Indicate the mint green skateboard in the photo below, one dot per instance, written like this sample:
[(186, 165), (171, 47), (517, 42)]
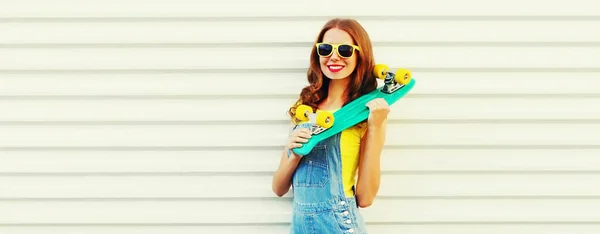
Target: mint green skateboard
[(325, 124)]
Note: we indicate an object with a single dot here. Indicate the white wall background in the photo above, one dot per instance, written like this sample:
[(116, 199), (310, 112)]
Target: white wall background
[(127, 116)]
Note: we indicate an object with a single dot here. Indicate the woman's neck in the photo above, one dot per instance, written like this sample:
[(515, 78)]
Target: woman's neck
[(336, 94)]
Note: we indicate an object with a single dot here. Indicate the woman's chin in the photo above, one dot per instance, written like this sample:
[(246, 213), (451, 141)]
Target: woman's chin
[(336, 75)]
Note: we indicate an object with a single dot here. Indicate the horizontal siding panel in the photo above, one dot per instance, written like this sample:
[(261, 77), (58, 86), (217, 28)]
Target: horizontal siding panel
[(215, 187), (148, 212), (265, 8), (266, 161), (157, 84), (415, 31), (502, 228), (153, 229), (209, 161), (273, 109), (279, 211), (491, 160), (225, 58), (227, 135), (429, 83), (259, 186), (278, 229), (498, 185), (178, 161)]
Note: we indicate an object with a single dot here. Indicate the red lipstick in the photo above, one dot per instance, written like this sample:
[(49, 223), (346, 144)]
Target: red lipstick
[(335, 67)]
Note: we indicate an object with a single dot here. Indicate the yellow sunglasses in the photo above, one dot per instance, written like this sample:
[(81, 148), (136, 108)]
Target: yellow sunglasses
[(343, 50)]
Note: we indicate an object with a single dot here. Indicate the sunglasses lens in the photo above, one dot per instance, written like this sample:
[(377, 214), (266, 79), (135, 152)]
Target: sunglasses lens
[(324, 49), (345, 50)]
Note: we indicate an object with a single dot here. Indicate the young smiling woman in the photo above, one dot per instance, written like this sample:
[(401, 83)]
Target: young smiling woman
[(342, 173)]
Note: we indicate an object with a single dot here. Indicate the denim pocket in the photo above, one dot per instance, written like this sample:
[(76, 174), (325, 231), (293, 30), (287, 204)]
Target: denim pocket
[(313, 169)]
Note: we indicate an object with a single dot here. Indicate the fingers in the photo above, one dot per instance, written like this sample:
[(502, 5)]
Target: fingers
[(378, 103), (298, 137), (294, 145), (302, 139), (304, 133)]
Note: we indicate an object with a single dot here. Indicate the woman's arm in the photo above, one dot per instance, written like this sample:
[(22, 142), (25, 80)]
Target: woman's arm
[(282, 179), (369, 164)]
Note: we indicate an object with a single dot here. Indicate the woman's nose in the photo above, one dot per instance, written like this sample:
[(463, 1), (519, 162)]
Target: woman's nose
[(334, 55)]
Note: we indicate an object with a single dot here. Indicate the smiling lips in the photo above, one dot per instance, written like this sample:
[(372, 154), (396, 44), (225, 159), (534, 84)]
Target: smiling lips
[(335, 67)]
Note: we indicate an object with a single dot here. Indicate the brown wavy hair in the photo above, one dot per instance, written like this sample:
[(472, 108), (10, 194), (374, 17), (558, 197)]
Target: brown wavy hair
[(362, 79)]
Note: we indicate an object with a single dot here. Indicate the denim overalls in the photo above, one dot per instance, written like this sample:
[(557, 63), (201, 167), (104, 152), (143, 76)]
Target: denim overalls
[(320, 205)]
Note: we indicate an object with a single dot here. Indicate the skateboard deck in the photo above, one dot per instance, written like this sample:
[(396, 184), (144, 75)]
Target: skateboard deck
[(325, 124)]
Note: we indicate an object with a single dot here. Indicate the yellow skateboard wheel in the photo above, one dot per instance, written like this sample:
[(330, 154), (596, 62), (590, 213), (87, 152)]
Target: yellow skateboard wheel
[(403, 76), (380, 71), (325, 119), (302, 112)]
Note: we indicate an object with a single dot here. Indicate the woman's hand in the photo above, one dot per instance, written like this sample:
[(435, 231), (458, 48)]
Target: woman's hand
[(379, 110), (297, 138)]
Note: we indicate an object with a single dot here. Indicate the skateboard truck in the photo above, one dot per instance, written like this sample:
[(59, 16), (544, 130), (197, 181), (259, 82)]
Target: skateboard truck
[(392, 81)]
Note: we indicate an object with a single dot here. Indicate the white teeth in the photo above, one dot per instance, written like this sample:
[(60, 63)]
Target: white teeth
[(335, 67)]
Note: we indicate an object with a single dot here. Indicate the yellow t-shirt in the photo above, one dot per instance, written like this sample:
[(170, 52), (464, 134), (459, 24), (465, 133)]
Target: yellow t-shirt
[(350, 150)]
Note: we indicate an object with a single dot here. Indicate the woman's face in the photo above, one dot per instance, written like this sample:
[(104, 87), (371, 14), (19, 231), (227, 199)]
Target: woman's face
[(335, 66)]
